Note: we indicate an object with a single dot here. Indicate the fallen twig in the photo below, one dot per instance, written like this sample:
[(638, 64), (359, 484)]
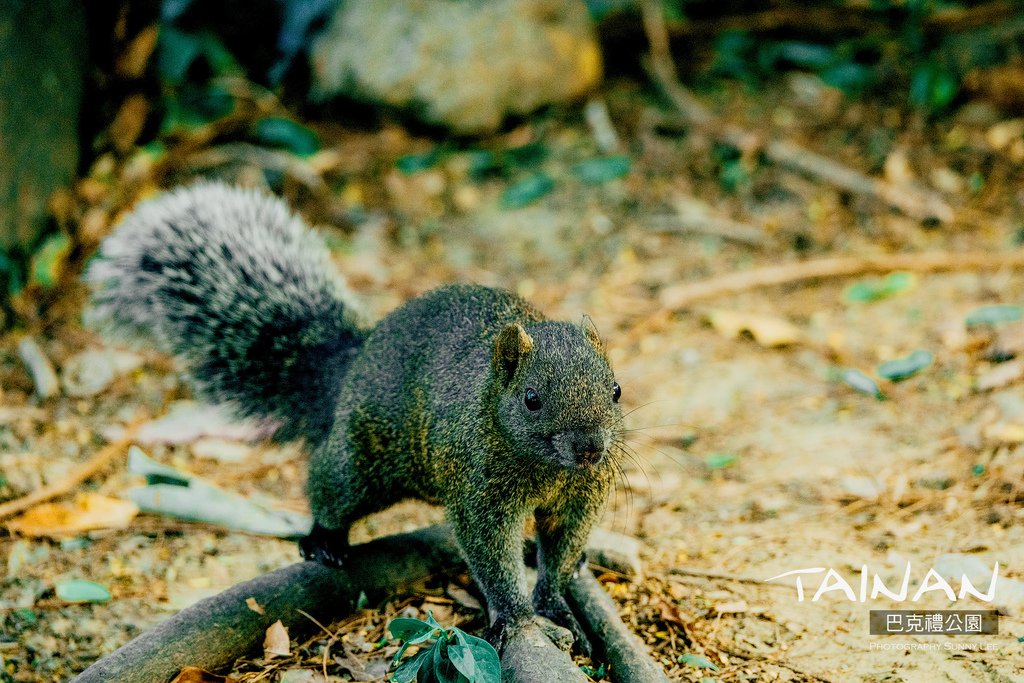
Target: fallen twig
[(96, 463), (722, 576), (710, 226), (914, 202), (682, 296)]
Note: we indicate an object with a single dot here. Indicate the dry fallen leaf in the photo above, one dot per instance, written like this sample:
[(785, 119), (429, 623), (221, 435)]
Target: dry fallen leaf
[(463, 597), (132, 62), (766, 330), (192, 674), (1000, 376), (1003, 433), (276, 642), (128, 122), (86, 512), (735, 607), (254, 606)]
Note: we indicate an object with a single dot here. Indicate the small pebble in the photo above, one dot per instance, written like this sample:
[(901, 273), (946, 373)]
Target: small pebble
[(221, 450), (39, 366), (867, 488)]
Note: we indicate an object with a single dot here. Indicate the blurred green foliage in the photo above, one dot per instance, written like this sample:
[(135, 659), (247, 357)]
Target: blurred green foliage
[(894, 49)]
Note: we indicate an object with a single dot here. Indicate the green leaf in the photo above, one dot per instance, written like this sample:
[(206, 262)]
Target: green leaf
[(526, 192), (876, 290), (698, 661), (719, 461), (26, 615), (480, 162), (277, 131), (525, 156), (805, 55), (933, 87), (850, 77), (412, 631), (900, 369), (414, 163), (488, 667), (858, 381), (434, 622), (994, 315), (463, 659), (48, 260), (178, 50), (443, 667), (409, 669), (191, 108), (598, 171), (398, 655), (80, 590), (220, 59)]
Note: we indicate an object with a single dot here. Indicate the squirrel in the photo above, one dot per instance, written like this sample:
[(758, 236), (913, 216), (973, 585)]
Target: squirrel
[(467, 396)]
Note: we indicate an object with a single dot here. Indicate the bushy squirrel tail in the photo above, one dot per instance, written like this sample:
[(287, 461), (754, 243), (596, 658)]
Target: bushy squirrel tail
[(235, 284)]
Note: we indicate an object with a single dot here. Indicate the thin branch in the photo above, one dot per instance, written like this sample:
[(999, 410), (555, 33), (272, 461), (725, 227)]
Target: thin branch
[(682, 296), (915, 202), (100, 460)]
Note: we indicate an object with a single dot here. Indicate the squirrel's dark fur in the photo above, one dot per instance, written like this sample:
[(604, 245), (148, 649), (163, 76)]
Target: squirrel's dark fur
[(466, 396)]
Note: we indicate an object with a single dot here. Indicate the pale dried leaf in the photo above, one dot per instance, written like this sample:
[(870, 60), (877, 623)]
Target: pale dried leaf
[(88, 511), (766, 330), (276, 642), (1001, 375), (193, 674), (463, 597)]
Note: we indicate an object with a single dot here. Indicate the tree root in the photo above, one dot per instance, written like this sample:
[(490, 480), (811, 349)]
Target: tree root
[(216, 631)]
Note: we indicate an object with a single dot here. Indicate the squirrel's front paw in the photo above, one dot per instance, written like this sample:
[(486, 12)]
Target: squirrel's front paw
[(557, 610), (498, 634), (326, 546)]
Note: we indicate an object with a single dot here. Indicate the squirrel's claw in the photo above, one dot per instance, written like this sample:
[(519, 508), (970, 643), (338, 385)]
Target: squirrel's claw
[(498, 634), (558, 612), (326, 546)]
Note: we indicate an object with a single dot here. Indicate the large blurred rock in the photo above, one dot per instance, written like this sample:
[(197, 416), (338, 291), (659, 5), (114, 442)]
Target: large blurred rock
[(42, 62), (458, 63)]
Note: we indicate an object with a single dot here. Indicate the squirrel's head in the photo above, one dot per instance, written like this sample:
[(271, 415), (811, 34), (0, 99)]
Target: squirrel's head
[(557, 397)]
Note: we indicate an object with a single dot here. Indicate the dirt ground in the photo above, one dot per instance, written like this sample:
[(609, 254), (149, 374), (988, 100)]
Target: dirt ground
[(748, 460)]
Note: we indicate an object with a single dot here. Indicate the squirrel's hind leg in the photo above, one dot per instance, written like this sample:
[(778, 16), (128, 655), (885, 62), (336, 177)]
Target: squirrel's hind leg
[(338, 497)]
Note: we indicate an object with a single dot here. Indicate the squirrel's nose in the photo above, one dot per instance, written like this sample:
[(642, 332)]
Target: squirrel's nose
[(587, 445)]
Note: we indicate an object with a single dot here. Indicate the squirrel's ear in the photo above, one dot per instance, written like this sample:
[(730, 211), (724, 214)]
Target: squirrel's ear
[(590, 330), (511, 345)]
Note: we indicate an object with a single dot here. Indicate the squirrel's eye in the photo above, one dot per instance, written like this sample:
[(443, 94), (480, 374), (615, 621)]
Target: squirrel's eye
[(532, 399), (616, 392)]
